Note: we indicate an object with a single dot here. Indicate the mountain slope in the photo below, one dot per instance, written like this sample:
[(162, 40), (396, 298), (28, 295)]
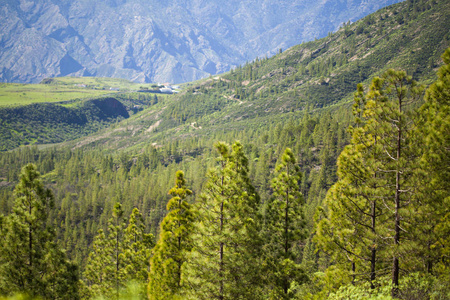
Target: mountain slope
[(314, 76), (301, 99), (318, 75), (43, 123), (146, 41)]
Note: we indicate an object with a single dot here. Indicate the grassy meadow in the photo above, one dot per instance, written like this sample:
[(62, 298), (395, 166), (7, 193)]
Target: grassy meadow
[(12, 94), (63, 89), (99, 83)]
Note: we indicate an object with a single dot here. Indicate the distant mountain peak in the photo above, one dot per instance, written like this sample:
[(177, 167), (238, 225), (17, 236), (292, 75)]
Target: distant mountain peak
[(177, 41)]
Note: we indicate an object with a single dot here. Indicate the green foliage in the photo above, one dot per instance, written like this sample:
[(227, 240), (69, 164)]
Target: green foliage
[(172, 249), (412, 286), (20, 297), (130, 291), (226, 256), (51, 123), (137, 249), (119, 256), (297, 99), (433, 176), (97, 262), (361, 292), (374, 179), (389, 201), (285, 226), (88, 181), (30, 260)]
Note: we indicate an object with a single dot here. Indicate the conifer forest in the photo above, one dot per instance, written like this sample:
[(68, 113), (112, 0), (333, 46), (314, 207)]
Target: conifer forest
[(308, 175)]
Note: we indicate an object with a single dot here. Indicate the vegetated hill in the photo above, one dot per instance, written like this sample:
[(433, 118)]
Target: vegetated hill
[(56, 110), (150, 41), (311, 76), (318, 75), (262, 104), (52, 123)]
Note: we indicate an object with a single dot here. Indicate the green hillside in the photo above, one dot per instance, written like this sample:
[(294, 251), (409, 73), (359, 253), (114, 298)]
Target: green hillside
[(317, 75), (117, 192), (65, 108), (324, 72), (12, 94), (321, 74), (45, 123), (61, 89)]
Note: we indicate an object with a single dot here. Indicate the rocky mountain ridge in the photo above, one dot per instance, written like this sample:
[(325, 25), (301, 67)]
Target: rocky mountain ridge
[(148, 41)]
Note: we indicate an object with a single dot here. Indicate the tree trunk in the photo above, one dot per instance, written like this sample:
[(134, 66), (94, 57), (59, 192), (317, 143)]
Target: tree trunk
[(221, 249), (286, 231), (30, 235), (353, 272), (395, 266), (117, 262), (374, 250), (286, 240)]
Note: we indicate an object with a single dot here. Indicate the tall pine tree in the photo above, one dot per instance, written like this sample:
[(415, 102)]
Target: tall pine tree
[(285, 226), (392, 123), (433, 176), (137, 251), (226, 256), (374, 193), (30, 260), (118, 256), (173, 246), (94, 275), (349, 232)]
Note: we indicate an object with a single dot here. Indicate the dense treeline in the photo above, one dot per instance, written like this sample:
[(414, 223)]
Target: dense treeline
[(311, 203), (45, 123), (246, 230), (87, 184)]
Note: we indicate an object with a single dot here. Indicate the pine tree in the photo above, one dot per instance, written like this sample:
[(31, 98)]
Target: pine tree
[(285, 229), (119, 256), (94, 274), (392, 123), (114, 250), (137, 249), (174, 244), (374, 191), (227, 246), (349, 232), (30, 260), (433, 177)]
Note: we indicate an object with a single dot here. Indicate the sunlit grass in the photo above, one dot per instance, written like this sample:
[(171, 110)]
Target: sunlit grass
[(101, 83), (64, 89), (12, 94)]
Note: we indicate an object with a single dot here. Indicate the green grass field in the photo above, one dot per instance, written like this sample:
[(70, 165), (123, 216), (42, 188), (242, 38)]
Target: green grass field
[(12, 94), (102, 83), (61, 89), (99, 82)]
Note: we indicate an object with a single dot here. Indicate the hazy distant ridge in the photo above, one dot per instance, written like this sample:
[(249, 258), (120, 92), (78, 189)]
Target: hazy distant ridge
[(147, 41)]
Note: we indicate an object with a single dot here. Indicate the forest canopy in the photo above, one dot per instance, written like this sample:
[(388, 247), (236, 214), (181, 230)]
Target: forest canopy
[(276, 180), (253, 229)]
